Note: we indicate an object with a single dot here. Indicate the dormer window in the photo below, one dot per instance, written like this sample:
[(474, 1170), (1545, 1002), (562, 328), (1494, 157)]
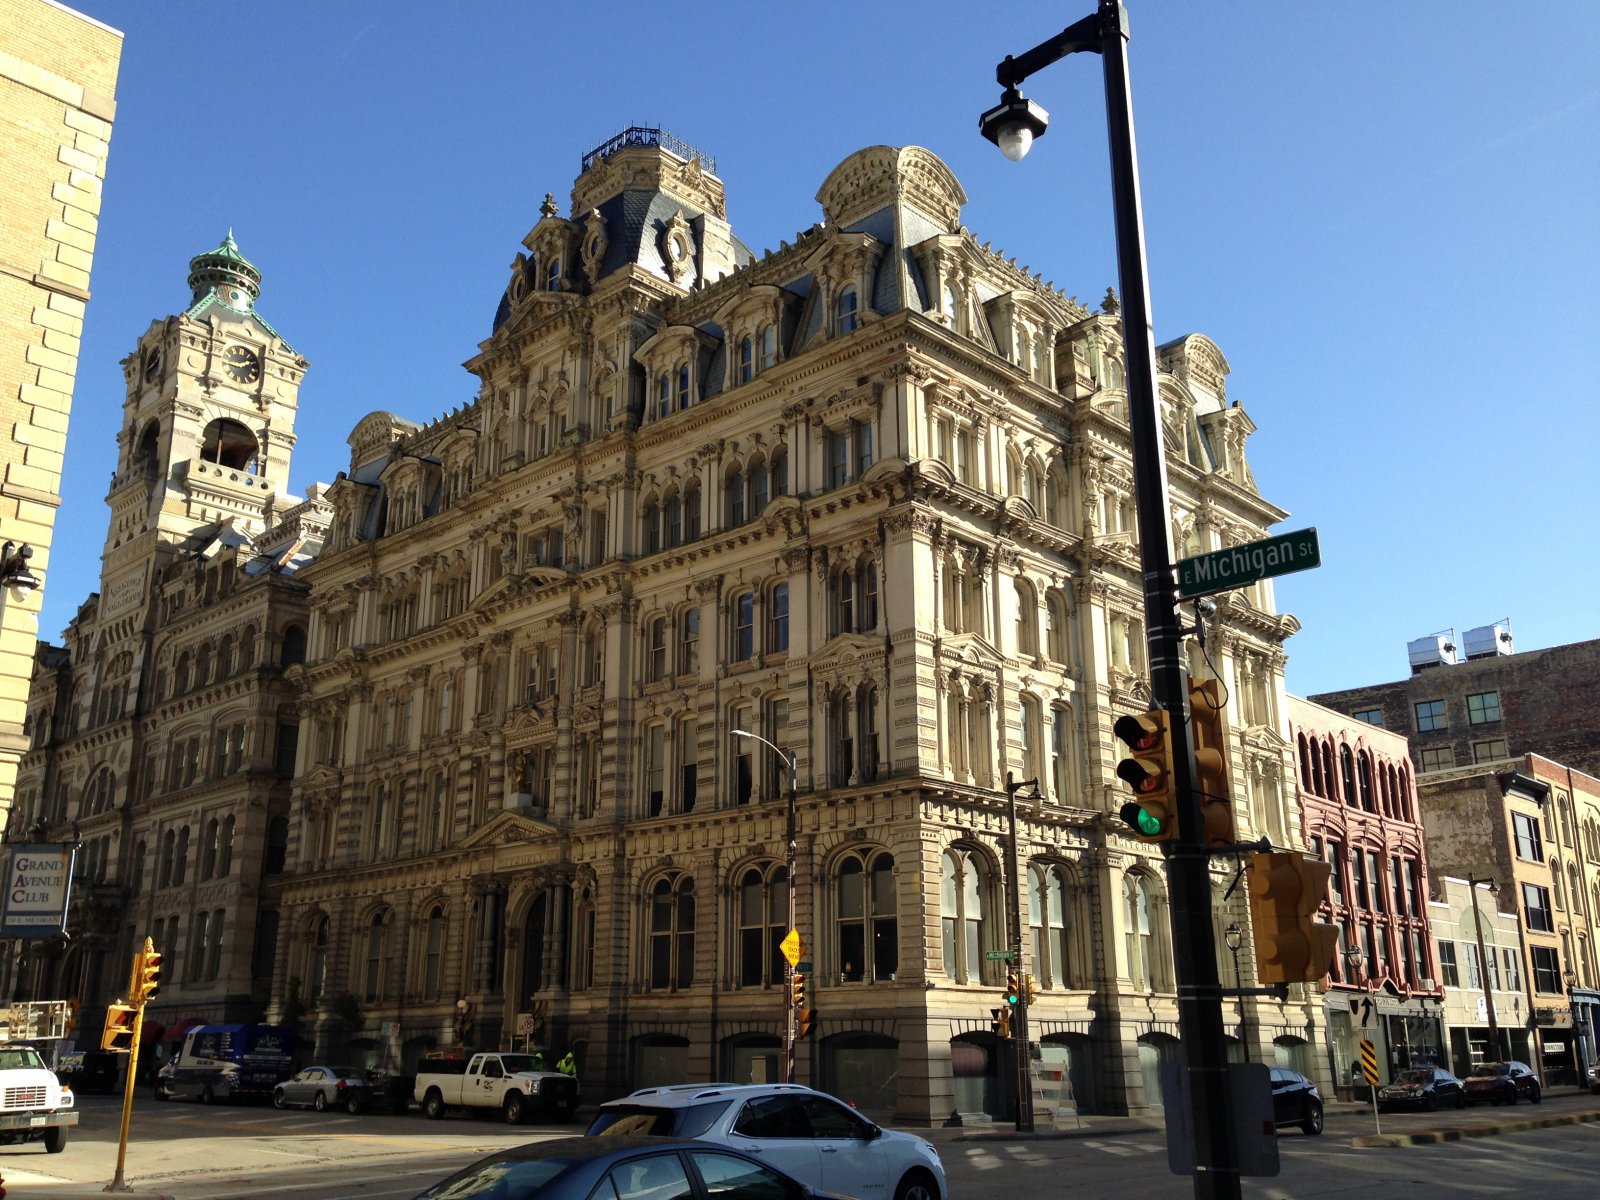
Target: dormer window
[(683, 387), (746, 360), (847, 320), (769, 346), (952, 307), (553, 274), (663, 395)]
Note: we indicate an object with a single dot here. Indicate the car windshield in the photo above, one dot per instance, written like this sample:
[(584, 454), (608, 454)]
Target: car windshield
[(498, 1178), (1417, 1075), (1491, 1071), (20, 1058)]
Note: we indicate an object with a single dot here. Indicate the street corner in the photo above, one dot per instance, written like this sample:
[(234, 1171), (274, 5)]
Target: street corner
[(1456, 1133)]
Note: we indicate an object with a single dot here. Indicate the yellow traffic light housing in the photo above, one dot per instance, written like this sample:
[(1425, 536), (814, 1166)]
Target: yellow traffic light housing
[(1000, 1026), (1027, 988), (146, 974), (1153, 816), (1291, 946), (802, 1014), (1013, 991), (1210, 763), (118, 1032)]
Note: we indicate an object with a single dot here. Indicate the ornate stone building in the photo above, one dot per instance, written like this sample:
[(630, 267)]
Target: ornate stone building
[(868, 496), (163, 731)]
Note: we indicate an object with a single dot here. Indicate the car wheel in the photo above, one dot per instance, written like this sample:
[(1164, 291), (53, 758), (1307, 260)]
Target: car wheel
[(515, 1109), (433, 1106), (1430, 1102), (161, 1093), (917, 1185), (1461, 1100), (1313, 1123), (277, 1099), (55, 1139), (352, 1104), (208, 1096), (1511, 1095), (1536, 1095), (320, 1101)]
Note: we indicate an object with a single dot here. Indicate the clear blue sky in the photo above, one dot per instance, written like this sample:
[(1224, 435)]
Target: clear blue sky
[(1386, 214)]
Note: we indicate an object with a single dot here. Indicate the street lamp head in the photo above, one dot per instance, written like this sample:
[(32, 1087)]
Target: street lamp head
[(1352, 959), (1233, 935), (741, 733), (1013, 124)]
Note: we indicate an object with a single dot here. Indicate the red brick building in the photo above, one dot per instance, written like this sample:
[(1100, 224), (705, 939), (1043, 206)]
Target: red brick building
[(1358, 803)]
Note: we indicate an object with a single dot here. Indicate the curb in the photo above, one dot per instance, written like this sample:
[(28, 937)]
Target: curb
[(1431, 1137)]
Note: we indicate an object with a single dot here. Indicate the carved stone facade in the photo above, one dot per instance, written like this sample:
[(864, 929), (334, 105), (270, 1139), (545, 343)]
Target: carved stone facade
[(867, 496), (163, 730)]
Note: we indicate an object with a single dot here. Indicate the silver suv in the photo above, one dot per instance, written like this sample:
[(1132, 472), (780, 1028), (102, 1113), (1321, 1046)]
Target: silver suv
[(808, 1134)]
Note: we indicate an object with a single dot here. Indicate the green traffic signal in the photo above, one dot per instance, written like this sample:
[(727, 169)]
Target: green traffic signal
[(1140, 818)]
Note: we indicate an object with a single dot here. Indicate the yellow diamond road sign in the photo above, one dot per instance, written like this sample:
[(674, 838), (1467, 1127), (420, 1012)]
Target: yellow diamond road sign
[(791, 947)]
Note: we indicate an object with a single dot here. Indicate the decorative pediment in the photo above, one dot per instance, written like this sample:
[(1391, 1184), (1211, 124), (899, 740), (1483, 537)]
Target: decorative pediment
[(847, 652), (509, 827)]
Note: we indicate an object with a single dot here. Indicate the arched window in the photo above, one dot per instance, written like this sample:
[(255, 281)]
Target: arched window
[(845, 310), (650, 526), (778, 619), (763, 899), (672, 521), (294, 646), (683, 387), (746, 360), (1055, 627), (1048, 918), (229, 444), (1365, 770), (767, 335), (671, 904), (1027, 619), (1030, 728), (1060, 758), (1347, 771), (583, 925), (689, 642), (225, 848), (552, 274), (180, 858), (655, 649), (663, 395), (841, 739), (961, 912), (433, 958), (317, 981), (185, 677), (760, 487), (247, 648), (202, 670), (277, 854), (377, 966), (691, 511), (734, 496), (744, 626), (593, 654), (867, 948), (1145, 967), (208, 850)]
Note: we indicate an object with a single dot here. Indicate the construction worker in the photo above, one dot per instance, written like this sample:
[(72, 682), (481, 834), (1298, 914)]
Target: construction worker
[(568, 1065), (538, 1060)]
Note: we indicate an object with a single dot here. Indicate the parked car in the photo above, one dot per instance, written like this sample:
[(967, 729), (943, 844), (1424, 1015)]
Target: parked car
[(1594, 1078), (629, 1168), (1423, 1087), (1295, 1101), (323, 1088), (810, 1135), (90, 1071), (1503, 1083)]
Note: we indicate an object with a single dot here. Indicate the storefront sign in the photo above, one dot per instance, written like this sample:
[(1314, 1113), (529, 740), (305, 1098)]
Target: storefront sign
[(38, 888)]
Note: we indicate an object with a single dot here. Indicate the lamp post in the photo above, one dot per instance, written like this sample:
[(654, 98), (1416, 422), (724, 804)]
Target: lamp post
[(1570, 977), (1013, 125), (1019, 1021), (792, 852), (1234, 936), (1483, 966)]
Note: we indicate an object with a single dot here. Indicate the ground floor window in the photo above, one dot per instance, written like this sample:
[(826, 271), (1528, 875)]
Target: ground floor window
[(660, 1059), (974, 1075), (1292, 1052), (863, 1069), (1066, 1069), (1156, 1050), (753, 1059)]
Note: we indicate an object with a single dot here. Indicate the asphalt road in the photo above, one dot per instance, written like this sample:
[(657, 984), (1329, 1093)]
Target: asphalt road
[(192, 1152)]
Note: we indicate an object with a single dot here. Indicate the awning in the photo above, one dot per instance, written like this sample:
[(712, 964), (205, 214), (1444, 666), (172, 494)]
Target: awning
[(178, 1028)]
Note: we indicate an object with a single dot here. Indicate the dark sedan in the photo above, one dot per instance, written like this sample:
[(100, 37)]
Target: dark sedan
[(627, 1168), (1503, 1083), (1295, 1101), (1423, 1087)]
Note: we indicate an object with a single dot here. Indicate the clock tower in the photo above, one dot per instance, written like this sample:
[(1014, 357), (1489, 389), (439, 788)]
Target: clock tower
[(207, 428)]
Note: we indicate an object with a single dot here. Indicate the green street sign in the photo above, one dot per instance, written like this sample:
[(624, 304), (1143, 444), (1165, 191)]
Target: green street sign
[(1239, 566), (802, 968), (997, 956)]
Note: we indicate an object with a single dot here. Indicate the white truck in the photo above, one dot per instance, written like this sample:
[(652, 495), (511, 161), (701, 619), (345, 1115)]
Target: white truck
[(35, 1106), (512, 1083)]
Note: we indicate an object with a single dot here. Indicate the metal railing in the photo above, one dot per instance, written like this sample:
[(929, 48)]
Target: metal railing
[(640, 135)]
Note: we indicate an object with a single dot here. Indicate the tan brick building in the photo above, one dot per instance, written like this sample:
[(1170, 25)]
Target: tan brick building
[(58, 80), (867, 495)]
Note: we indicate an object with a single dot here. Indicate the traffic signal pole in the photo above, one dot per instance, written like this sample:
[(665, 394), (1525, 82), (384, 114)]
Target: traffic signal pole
[(1019, 1011), (1194, 950)]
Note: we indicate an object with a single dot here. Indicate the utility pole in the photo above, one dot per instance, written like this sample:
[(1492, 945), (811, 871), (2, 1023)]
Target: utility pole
[(1019, 1020)]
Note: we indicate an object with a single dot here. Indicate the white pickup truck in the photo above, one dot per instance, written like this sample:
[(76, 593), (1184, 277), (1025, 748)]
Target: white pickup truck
[(509, 1082), (34, 1104)]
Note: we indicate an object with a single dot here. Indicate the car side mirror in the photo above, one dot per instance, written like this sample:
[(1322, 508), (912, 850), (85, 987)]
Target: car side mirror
[(871, 1133)]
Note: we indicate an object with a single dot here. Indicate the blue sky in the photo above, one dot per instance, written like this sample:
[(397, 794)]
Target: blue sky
[(1387, 215)]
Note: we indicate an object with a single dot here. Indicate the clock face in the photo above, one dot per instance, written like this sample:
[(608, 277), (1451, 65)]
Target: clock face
[(241, 365)]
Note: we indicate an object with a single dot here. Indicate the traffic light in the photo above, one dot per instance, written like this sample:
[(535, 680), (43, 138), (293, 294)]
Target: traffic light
[(1210, 764), (802, 1013), (1027, 988), (1148, 735), (1013, 991), (1291, 945), (118, 1033), (1000, 1026), (146, 975)]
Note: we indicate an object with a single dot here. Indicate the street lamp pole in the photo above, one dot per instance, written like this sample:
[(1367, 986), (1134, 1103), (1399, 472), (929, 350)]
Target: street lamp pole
[(1234, 936), (1019, 1021), (790, 1016), (1012, 126), (1483, 967)]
